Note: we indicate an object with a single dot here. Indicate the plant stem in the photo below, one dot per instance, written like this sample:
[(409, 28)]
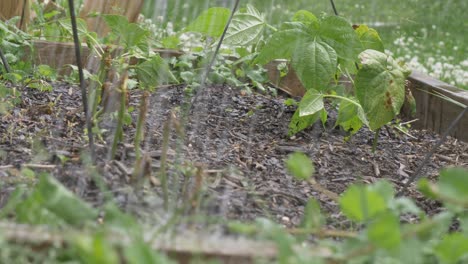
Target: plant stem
[(376, 140), (95, 88), (5, 62), (141, 123), (120, 115)]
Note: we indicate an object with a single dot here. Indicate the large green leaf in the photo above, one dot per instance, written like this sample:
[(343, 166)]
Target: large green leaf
[(338, 33), (360, 203), (306, 17), (63, 203), (348, 117), (384, 232), (154, 72), (380, 87), (246, 27), (211, 22), (311, 103), (282, 44), (453, 182), (130, 34), (452, 249), (299, 123), (369, 38), (315, 64), (453, 186)]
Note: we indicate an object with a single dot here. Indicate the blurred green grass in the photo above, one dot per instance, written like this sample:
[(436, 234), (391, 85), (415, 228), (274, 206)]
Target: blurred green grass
[(423, 32)]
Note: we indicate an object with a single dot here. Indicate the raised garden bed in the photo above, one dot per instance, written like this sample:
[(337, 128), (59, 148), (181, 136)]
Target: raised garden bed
[(433, 112), (239, 143)]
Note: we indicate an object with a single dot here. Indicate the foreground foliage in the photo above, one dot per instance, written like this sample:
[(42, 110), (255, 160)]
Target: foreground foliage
[(382, 226)]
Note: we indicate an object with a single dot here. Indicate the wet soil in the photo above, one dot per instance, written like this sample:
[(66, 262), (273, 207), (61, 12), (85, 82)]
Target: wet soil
[(224, 156)]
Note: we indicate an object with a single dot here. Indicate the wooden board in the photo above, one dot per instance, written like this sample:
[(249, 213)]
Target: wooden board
[(434, 113), (12, 8), (129, 8), (289, 83), (60, 55)]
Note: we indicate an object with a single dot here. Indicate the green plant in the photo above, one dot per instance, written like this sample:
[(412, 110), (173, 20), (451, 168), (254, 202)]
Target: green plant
[(322, 50), (379, 234)]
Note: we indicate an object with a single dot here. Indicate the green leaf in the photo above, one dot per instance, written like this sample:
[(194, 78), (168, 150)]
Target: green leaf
[(348, 117), (338, 33), (47, 72), (129, 34), (306, 17), (313, 218), (63, 203), (140, 252), (384, 188), (425, 187), (246, 27), (154, 72), (406, 205), (411, 250), (282, 45), (211, 22), (453, 183), (453, 248), (315, 64), (311, 103), (380, 87), (299, 123), (384, 232), (323, 116), (300, 166), (170, 42), (359, 203), (369, 38), (95, 249)]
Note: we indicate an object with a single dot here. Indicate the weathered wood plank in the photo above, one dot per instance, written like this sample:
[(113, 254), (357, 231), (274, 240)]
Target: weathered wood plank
[(129, 8), (435, 113), (12, 8)]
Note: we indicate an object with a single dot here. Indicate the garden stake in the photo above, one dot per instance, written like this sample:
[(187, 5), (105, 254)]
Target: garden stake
[(5, 62), (84, 97), (418, 171), (334, 8), (213, 58)]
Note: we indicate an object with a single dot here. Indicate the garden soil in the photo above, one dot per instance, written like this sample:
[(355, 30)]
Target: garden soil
[(224, 156)]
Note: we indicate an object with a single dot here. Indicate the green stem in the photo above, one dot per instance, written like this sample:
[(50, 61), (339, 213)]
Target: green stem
[(120, 115), (271, 27), (140, 123), (376, 139)]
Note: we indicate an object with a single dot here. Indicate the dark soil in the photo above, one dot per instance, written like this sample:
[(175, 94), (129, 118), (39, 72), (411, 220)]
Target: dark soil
[(233, 143)]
